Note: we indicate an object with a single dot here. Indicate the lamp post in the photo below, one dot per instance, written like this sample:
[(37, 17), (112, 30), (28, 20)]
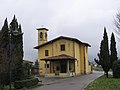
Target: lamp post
[(10, 58), (15, 33)]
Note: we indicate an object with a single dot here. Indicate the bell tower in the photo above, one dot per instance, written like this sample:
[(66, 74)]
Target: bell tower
[(42, 35)]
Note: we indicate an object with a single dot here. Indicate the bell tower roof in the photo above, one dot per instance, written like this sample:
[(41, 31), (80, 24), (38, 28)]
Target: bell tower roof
[(42, 29)]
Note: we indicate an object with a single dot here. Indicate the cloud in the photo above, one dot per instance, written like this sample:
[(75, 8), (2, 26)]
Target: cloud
[(83, 19)]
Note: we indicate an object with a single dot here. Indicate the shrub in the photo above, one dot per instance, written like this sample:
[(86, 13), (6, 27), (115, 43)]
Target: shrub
[(25, 83), (116, 69)]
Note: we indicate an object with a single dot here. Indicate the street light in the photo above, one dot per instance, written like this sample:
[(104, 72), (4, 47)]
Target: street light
[(15, 33)]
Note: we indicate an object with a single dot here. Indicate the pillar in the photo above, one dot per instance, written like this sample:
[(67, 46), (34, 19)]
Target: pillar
[(46, 70), (68, 66)]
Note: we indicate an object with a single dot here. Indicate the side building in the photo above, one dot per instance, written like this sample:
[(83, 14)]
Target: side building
[(62, 57)]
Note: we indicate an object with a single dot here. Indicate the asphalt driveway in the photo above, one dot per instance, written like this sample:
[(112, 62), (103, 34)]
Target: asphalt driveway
[(73, 83)]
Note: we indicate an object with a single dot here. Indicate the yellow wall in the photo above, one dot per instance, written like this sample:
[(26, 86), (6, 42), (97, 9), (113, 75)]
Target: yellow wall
[(81, 58), (68, 47), (77, 55), (87, 63), (72, 48), (54, 50), (81, 53), (41, 54)]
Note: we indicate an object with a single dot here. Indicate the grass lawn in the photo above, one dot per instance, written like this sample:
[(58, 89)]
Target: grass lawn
[(97, 69), (104, 83), (8, 88)]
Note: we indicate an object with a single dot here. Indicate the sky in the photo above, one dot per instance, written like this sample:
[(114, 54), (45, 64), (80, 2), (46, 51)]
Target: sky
[(81, 19)]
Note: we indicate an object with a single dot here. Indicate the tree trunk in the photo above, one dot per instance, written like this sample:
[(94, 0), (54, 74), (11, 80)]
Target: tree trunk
[(106, 74)]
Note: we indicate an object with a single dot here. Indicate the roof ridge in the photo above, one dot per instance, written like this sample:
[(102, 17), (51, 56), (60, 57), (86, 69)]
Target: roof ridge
[(62, 37)]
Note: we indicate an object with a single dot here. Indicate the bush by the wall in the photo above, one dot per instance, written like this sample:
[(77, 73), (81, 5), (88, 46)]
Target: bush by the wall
[(25, 83), (116, 69)]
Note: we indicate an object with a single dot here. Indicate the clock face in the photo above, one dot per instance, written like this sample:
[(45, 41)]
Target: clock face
[(41, 35)]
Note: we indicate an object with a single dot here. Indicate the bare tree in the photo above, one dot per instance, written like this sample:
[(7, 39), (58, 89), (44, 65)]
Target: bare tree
[(117, 25)]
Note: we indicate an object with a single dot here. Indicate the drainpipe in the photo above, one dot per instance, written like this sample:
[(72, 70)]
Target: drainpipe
[(74, 57), (52, 49), (84, 61), (73, 49)]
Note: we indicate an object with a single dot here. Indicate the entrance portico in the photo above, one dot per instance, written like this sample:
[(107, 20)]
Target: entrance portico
[(60, 66)]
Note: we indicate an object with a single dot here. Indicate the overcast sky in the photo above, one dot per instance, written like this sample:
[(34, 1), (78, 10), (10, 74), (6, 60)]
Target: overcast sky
[(81, 19)]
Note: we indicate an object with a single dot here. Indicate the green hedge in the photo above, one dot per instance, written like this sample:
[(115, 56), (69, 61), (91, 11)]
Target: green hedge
[(25, 83), (116, 69)]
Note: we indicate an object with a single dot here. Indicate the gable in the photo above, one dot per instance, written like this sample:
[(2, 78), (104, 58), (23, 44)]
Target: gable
[(62, 38)]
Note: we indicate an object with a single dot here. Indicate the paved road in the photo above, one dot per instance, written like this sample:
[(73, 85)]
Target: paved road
[(74, 83)]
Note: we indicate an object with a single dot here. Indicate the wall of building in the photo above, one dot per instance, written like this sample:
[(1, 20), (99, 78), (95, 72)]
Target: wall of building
[(77, 56), (86, 60), (54, 50), (41, 54), (71, 48), (68, 47), (82, 64), (81, 58)]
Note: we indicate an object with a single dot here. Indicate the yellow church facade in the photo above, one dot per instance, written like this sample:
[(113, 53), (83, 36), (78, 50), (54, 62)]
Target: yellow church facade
[(62, 56)]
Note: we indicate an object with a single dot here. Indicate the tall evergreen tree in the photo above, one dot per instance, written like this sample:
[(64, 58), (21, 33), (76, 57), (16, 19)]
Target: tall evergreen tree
[(113, 54), (17, 56), (17, 51), (4, 40), (103, 56)]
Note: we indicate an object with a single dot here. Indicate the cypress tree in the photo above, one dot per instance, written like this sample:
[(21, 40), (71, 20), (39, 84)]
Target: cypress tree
[(103, 56), (17, 56), (17, 50), (113, 55), (4, 40)]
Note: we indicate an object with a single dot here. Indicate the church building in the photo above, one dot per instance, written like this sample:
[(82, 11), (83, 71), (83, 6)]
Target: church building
[(62, 57)]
